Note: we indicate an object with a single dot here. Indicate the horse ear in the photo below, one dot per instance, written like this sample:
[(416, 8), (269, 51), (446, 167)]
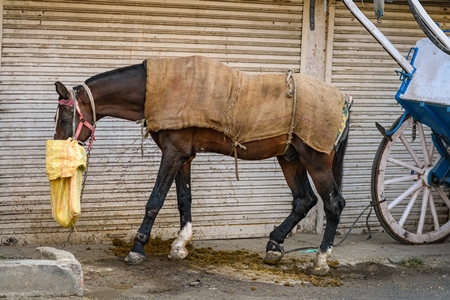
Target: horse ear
[(62, 90)]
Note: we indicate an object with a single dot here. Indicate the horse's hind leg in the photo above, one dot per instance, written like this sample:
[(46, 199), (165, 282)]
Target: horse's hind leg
[(303, 200), (334, 203), (184, 198)]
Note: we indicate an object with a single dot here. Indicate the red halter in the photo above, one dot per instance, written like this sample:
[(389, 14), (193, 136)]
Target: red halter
[(82, 121)]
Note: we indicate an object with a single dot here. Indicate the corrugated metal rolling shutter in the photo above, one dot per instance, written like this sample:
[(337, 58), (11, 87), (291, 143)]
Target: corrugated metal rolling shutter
[(362, 68), (69, 41)]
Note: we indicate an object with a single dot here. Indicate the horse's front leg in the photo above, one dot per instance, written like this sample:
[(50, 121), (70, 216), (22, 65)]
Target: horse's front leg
[(170, 165), (184, 198)]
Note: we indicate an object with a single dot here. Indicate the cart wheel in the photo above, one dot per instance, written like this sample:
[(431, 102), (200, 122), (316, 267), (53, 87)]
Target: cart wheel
[(408, 207)]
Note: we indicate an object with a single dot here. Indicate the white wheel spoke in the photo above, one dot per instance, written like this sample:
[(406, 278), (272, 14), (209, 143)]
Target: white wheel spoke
[(413, 188), (423, 211), (434, 213), (406, 165), (402, 179), (411, 151), (431, 150), (423, 142), (408, 208), (443, 196)]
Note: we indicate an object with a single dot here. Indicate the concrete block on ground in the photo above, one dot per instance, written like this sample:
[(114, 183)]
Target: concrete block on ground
[(51, 253), (60, 277)]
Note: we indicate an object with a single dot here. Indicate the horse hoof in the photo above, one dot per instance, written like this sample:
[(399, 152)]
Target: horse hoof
[(273, 257), (178, 253), (320, 270), (274, 253), (134, 258)]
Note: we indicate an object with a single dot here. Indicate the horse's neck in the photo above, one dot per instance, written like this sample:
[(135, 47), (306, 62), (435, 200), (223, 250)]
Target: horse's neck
[(120, 95)]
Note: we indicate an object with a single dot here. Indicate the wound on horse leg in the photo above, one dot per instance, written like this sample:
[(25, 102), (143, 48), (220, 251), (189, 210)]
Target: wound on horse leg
[(141, 238), (333, 212)]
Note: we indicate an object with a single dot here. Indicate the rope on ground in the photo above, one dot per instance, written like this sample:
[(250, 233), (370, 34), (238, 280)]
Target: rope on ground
[(68, 238), (371, 205), (88, 154)]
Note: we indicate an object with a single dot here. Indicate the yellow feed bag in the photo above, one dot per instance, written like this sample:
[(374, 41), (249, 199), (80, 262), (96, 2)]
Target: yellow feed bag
[(65, 163)]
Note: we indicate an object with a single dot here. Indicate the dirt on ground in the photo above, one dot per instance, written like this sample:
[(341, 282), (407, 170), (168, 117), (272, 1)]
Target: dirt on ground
[(248, 264), (206, 273)]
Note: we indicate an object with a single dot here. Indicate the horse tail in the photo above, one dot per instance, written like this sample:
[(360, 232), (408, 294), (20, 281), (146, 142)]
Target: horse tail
[(338, 161)]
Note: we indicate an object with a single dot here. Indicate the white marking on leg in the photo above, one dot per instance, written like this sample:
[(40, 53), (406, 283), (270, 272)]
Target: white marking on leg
[(179, 250), (320, 263)]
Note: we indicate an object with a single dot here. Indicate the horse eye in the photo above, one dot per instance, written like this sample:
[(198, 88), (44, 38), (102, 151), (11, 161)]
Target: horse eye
[(64, 121)]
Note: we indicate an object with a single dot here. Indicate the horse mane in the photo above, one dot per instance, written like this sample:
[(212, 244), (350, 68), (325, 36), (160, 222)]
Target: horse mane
[(123, 72)]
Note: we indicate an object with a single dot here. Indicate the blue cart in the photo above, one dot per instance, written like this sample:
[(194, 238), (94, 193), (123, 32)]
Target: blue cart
[(411, 169)]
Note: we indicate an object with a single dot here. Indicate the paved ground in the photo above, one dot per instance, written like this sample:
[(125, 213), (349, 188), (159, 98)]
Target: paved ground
[(361, 265), (381, 248)]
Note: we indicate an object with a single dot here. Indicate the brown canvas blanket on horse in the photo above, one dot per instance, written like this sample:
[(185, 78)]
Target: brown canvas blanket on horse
[(201, 92)]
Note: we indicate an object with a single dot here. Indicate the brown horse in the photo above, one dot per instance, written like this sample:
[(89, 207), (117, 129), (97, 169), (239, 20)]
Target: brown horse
[(121, 93)]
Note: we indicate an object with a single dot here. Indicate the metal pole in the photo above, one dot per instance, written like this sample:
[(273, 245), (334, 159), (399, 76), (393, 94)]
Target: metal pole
[(379, 36)]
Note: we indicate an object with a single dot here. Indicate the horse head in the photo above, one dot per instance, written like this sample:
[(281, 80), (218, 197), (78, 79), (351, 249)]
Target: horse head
[(75, 116)]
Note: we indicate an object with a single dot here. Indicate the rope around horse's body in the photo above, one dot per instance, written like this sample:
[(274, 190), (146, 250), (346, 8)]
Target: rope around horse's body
[(291, 93)]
